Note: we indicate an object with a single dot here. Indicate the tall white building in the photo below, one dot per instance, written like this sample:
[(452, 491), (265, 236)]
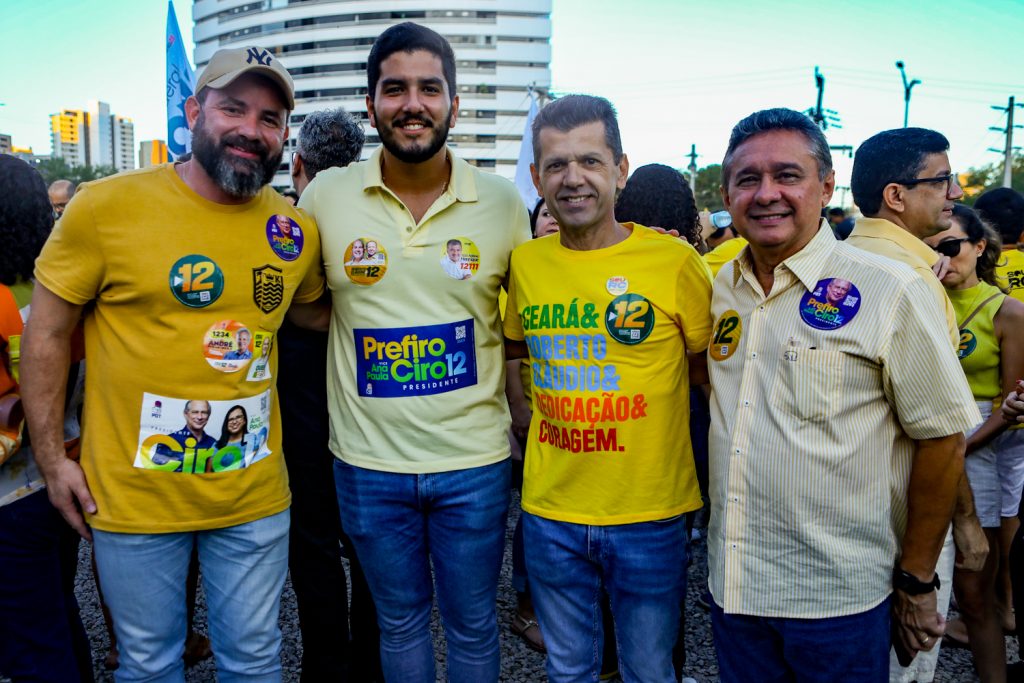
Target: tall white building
[(94, 137), (502, 48)]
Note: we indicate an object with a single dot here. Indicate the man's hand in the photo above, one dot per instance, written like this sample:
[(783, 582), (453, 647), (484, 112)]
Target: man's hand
[(673, 232), (1013, 406), (916, 621), (521, 416), (941, 267), (971, 543), (69, 493)]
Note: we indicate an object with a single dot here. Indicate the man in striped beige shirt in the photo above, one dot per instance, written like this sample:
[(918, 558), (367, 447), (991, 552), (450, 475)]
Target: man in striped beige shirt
[(837, 430)]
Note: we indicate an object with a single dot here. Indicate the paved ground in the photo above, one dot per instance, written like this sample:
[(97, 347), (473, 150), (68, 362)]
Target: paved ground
[(519, 664)]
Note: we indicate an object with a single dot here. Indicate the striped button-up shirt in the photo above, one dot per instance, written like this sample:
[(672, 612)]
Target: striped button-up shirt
[(819, 391)]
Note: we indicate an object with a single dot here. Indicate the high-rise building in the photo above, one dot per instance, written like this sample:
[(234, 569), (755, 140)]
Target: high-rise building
[(502, 48), (69, 135), (5, 144), (152, 152), (94, 137)]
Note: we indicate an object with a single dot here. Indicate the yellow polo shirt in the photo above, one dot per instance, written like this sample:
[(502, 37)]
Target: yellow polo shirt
[(885, 238), (723, 253), (817, 400), (416, 357)]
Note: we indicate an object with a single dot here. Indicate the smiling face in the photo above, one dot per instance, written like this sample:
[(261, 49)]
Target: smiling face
[(963, 268), (238, 134), (455, 252), (236, 422), (197, 414), (837, 290), (578, 177), (371, 249), (774, 194), (411, 107), (357, 250), (546, 223), (243, 337)]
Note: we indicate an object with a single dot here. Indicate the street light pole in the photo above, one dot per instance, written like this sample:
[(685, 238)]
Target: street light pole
[(907, 87)]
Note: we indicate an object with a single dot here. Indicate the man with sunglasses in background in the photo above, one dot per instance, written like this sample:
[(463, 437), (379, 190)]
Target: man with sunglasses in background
[(905, 188)]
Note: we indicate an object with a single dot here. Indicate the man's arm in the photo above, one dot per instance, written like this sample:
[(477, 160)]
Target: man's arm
[(517, 404), (515, 349), (315, 315), (931, 497), (44, 370)]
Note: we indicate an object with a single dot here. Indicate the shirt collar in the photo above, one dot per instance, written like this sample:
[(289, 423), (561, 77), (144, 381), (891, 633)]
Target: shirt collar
[(807, 264), (879, 228), (462, 183)]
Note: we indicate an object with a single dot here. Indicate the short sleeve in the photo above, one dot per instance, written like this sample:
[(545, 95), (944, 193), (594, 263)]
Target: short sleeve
[(922, 375), (71, 264), (693, 294)]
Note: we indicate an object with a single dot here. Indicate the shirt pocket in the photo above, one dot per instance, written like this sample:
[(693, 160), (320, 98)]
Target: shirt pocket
[(811, 382)]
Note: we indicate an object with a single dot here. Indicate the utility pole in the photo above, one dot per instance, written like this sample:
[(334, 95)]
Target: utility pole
[(692, 168), (818, 116), (1008, 150), (907, 87)]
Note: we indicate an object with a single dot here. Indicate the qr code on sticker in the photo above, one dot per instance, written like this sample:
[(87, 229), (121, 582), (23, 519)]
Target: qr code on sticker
[(204, 296), (634, 334), (460, 333)]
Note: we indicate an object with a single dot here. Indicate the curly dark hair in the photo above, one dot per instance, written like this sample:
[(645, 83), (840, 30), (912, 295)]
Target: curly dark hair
[(26, 218), (659, 196)]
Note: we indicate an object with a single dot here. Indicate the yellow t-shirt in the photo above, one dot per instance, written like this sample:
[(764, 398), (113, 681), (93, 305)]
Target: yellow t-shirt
[(723, 253), (416, 364), (1010, 273), (608, 332), (185, 298)]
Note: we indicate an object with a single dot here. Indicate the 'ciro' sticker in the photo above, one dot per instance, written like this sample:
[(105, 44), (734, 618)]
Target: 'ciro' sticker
[(727, 334), (616, 285), (968, 342), (366, 261), (629, 318), (196, 280), (833, 303), (460, 258), (227, 346), (285, 237)]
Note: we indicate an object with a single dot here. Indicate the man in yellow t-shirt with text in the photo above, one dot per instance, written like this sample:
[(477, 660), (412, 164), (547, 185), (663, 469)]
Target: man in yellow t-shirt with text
[(609, 467)]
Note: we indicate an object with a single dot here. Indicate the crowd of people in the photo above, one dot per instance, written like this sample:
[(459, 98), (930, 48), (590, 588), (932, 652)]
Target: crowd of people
[(840, 395)]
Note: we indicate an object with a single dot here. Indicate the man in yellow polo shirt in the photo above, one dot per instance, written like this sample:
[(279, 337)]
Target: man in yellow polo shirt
[(609, 467), (1003, 208), (905, 188), (836, 429), (416, 363)]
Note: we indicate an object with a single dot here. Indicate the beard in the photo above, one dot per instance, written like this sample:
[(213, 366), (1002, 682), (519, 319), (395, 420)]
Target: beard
[(415, 153), (238, 177)]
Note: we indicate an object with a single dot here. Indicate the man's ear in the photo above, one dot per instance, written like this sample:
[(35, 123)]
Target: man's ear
[(192, 111), (893, 198)]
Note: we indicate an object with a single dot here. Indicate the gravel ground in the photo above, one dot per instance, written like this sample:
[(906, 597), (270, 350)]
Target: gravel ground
[(519, 664)]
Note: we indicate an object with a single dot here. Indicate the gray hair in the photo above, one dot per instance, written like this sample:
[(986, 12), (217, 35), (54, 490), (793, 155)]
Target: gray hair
[(779, 119), (328, 138)]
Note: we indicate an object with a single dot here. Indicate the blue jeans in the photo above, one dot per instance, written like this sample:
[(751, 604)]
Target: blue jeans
[(243, 569), (854, 647), (641, 566), (41, 633), (399, 524)]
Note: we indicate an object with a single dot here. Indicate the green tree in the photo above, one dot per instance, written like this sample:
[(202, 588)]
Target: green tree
[(706, 193), (977, 180), (57, 168)]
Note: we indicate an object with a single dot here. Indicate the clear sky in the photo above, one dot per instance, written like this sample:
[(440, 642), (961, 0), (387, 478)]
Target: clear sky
[(680, 72)]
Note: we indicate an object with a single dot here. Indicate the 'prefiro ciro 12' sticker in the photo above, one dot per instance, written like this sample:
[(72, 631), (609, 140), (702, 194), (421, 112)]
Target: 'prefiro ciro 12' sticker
[(196, 280), (285, 237), (831, 304)]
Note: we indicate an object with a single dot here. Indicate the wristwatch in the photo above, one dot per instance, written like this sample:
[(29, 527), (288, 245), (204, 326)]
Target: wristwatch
[(904, 581)]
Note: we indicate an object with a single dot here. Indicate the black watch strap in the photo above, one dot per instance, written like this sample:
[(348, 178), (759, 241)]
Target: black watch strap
[(904, 581)]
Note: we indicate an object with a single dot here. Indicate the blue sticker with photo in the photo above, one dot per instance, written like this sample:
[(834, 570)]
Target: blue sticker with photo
[(285, 237), (833, 303)]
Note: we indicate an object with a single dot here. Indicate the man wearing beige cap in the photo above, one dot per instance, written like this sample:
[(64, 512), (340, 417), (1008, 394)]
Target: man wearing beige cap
[(183, 255)]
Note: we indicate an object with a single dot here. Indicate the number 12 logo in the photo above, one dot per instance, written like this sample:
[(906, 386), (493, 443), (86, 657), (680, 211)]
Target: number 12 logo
[(196, 281), (629, 318)]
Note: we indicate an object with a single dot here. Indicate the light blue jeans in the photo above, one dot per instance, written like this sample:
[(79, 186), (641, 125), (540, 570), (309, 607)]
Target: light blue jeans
[(243, 569), (641, 566), (400, 524)]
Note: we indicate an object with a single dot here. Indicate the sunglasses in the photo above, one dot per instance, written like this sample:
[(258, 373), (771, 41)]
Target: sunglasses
[(950, 248)]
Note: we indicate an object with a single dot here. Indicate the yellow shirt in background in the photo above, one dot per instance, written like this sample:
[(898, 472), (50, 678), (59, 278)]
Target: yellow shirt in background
[(1010, 272), (723, 253)]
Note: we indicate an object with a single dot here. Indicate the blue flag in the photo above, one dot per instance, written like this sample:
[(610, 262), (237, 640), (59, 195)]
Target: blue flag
[(181, 82), (524, 181)]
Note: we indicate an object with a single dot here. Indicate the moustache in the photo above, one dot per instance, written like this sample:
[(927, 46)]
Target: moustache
[(412, 119), (246, 145)]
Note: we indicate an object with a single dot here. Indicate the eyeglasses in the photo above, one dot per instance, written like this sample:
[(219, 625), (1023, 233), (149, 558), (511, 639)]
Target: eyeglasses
[(950, 179), (950, 248)]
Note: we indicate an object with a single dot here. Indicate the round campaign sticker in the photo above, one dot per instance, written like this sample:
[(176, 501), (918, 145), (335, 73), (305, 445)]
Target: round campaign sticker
[(968, 342), (285, 237), (629, 318), (460, 258), (727, 335), (366, 261), (196, 280), (227, 346), (617, 285), (833, 303)]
